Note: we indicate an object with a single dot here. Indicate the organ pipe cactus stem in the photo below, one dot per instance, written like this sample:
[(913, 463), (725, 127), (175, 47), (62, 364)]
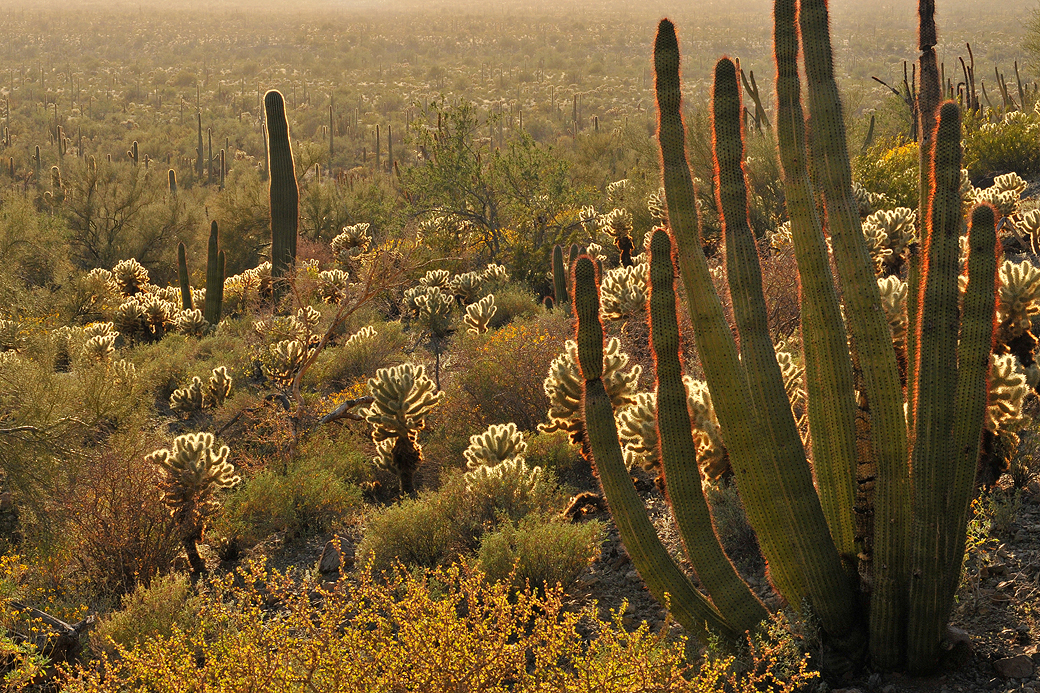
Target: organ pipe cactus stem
[(214, 279), (284, 191), (660, 573), (172, 177), (182, 277), (560, 297)]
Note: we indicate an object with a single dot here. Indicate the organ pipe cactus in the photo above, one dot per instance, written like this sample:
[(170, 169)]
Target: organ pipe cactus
[(559, 274), (182, 277), (805, 524), (285, 193), (195, 471), (214, 278), (403, 397)]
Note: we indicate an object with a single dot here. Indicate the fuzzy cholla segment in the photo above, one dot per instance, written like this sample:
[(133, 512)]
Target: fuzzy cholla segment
[(1019, 298), (500, 442), (1007, 392), (404, 395), (564, 387), (893, 301), (195, 471), (479, 314), (624, 291)]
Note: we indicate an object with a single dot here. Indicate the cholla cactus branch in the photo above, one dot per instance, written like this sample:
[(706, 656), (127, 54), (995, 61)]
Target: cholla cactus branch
[(479, 314)]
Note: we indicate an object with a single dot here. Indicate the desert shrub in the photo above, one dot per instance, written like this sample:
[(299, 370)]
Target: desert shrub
[(307, 498), (543, 552), (148, 612), (1011, 144), (513, 302), (890, 167), (121, 532), (440, 525), (551, 450), (446, 630), (359, 359), (774, 658), (498, 377), (731, 525)]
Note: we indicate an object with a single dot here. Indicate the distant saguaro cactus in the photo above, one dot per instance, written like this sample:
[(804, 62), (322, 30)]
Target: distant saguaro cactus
[(214, 278), (285, 193)]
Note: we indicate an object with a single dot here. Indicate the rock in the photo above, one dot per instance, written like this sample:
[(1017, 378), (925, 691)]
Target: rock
[(337, 556), (1017, 667)]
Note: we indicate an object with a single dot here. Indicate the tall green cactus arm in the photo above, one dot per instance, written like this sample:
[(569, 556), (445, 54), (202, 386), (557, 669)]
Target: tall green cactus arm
[(974, 362), (678, 452), (214, 278), (871, 337), (828, 583), (754, 464), (182, 278), (663, 577), (559, 277), (936, 386), (285, 193)]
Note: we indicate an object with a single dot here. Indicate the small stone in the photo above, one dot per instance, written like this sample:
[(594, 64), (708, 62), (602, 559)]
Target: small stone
[(337, 555), (1017, 667), (632, 575), (890, 688)]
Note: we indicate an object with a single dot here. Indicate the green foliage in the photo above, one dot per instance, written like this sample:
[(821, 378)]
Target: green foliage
[(539, 552), (150, 611), (889, 167), (1011, 143), (309, 497)]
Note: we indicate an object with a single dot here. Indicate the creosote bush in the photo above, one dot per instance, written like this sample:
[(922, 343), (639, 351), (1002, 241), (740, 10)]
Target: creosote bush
[(539, 552)]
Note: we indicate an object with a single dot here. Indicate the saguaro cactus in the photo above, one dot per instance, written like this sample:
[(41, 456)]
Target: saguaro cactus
[(804, 525), (285, 193)]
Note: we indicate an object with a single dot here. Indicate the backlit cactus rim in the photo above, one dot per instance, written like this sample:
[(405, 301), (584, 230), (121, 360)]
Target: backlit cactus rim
[(195, 470), (479, 314), (404, 397)]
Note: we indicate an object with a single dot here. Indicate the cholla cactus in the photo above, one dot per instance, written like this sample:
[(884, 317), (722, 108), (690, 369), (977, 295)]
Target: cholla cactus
[(467, 287), (195, 472), (479, 314), (351, 244), (500, 442), (196, 396), (510, 474), (283, 359), (333, 285), (403, 397), (1010, 182), (11, 336), (240, 290), (896, 226), (495, 275), (191, 322), (130, 277), (308, 317), (589, 219), (595, 251), (100, 329), (434, 310), (410, 297), (188, 398), (219, 386), (132, 320), (1029, 222), (1007, 392), (637, 429), (616, 191), (1018, 299), (366, 332), (98, 287), (564, 385), (440, 279), (1005, 200), (893, 301), (99, 348), (617, 223), (655, 204), (124, 374), (712, 456), (624, 291)]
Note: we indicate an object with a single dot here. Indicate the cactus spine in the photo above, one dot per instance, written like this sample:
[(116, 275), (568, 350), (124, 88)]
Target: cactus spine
[(182, 277), (214, 278), (285, 193)]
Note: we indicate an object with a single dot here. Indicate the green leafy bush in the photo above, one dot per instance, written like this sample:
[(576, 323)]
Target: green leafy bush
[(148, 612), (889, 167), (308, 498), (543, 552), (1010, 144)]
